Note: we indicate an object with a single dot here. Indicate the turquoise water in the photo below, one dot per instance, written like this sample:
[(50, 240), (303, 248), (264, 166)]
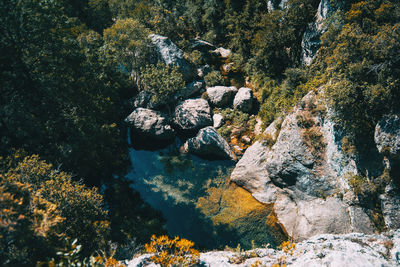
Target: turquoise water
[(172, 183)]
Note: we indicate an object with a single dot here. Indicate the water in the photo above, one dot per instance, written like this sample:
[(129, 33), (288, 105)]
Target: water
[(172, 184)]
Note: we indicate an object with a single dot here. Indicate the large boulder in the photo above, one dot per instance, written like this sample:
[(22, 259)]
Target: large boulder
[(149, 126), (144, 100), (192, 115), (209, 144), (244, 100), (221, 96), (170, 54), (301, 169)]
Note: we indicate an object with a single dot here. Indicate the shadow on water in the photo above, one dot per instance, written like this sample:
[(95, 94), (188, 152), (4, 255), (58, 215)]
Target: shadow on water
[(175, 184), (172, 183)]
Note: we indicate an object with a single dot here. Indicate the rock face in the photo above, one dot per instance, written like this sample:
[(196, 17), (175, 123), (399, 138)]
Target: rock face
[(345, 250), (387, 139), (221, 96), (170, 54), (192, 115), (387, 135), (301, 169), (150, 125), (209, 144), (243, 100)]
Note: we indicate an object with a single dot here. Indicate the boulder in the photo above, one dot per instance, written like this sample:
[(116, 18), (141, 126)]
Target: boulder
[(221, 96), (218, 121), (222, 52), (170, 54), (294, 174), (144, 100), (193, 88), (209, 144), (192, 115), (150, 125), (244, 100)]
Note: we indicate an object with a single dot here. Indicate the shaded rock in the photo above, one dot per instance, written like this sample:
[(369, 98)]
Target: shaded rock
[(387, 135), (294, 174), (144, 100), (193, 88), (390, 205), (276, 4), (244, 100), (149, 125), (170, 54), (218, 120), (221, 96), (192, 115), (209, 144)]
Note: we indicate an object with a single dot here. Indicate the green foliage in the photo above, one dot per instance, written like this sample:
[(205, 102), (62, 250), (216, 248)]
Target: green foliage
[(126, 44), (40, 206), (162, 81), (214, 78)]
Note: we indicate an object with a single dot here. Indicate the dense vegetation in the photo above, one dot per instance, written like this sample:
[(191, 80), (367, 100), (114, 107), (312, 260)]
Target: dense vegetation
[(68, 69)]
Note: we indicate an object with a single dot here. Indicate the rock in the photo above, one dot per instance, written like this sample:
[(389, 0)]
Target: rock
[(203, 46), (193, 88), (311, 41), (203, 71), (387, 135), (290, 173), (390, 205), (222, 52), (221, 96), (218, 120), (243, 100), (170, 54), (227, 67), (245, 139), (144, 100), (149, 125), (344, 250), (209, 144), (192, 115), (276, 4)]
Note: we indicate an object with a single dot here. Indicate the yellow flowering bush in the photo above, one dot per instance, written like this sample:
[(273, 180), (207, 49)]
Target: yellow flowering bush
[(170, 252)]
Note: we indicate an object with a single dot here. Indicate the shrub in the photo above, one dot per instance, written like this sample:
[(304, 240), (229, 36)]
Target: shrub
[(49, 205), (163, 81), (214, 78), (169, 252)]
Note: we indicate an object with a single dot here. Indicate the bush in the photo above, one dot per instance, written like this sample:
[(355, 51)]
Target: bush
[(163, 81), (169, 252), (41, 205), (214, 78)]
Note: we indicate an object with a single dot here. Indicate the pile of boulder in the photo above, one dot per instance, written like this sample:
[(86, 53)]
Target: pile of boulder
[(191, 118)]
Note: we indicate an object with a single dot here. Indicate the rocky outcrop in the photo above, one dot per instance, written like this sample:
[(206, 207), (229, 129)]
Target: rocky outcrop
[(276, 4), (192, 115), (209, 144), (150, 125), (221, 96), (170, 54), (345, 250), (144, 100), (300, 168), (387, 139), (244, 100), (387, 136)]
